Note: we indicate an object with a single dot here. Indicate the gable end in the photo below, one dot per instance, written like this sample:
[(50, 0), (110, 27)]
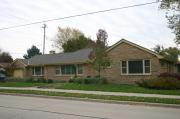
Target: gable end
[(135, 45)]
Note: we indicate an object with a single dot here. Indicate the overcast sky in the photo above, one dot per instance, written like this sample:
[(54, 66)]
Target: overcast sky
[(145, 25)]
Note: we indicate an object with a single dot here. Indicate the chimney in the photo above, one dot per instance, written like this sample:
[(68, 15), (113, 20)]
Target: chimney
[(52, 52)]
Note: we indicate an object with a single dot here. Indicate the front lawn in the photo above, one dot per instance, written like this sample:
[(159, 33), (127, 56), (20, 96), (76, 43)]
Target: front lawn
[(20, 84), (110, 88), (92, 87)]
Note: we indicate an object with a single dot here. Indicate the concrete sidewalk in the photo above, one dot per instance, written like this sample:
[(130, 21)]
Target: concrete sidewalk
[(96, 92)]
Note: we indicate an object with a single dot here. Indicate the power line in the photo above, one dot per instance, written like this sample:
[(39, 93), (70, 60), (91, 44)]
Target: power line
[(78, 15)]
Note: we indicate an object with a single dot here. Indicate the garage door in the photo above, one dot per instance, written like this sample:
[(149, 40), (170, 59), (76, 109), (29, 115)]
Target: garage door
[(18, 73)]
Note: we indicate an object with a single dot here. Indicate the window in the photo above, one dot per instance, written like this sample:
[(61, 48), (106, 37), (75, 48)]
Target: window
[(124, 67), (147, 66), (135, 67), (79, 69), (69, 69), (37, 71), (58, 70)]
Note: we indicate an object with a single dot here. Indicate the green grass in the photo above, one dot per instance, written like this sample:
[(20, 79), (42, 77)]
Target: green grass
[(92, 96), (111, 88), (20, 84), (93, 87)]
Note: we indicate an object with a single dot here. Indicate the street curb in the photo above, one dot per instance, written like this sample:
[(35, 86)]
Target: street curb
[(96, 100)]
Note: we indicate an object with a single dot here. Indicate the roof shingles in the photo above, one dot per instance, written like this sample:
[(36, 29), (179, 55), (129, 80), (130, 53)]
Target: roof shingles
[(79, 56)]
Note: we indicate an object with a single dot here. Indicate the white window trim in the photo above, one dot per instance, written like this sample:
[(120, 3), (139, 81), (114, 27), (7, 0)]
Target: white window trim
[(35, 74), (149, 67), (77, 70), (68, 74), (59, 67), (127, 67)]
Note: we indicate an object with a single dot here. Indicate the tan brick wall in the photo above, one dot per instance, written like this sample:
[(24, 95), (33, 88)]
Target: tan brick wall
[(89, 71), (49, 73), (128, 52)]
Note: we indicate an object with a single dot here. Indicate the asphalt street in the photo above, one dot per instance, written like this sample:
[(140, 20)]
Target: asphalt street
[(20, 107)]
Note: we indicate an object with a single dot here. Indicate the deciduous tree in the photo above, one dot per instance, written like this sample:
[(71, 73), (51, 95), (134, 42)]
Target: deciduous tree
[(170, 54), (101, 61), (77, 44), (173, 16), (66, 34)]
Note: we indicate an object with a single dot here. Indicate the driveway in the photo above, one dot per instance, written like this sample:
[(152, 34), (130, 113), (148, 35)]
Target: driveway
[(19, 107)]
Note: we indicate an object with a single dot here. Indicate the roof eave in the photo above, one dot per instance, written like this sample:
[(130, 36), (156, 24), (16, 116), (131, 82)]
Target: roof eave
[(62, 63)]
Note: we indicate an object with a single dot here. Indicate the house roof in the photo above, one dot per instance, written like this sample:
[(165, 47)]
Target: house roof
[(80, 56), (4, 65), (23, 61), (135, 45)]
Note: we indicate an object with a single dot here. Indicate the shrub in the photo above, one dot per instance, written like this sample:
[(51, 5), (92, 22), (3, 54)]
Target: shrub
[(88, 76), (60, 81), (31, 80), (88, 80), (49, 81), (41, 80), (13, 79), (160, 83), (78, 80), (173, 75)]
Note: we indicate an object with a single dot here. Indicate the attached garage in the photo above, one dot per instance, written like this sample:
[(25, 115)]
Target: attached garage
[(19, 68)]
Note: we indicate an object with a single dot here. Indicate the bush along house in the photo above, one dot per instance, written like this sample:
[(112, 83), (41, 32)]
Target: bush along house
[(129, 63)]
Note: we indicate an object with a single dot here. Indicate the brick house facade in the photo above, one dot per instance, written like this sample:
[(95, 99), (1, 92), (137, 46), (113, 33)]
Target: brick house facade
[(129, 63)]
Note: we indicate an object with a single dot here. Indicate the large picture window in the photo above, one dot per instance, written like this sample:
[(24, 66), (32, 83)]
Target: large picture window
[(37, 71), (135, 67), (69, 69)]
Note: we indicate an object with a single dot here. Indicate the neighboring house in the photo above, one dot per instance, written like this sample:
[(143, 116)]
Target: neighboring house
[(178, 67), (129, 63), (4, 66), (5, 69)]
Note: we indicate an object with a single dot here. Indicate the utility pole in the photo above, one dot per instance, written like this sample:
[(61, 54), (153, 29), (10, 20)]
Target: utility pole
[(44, 36)]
